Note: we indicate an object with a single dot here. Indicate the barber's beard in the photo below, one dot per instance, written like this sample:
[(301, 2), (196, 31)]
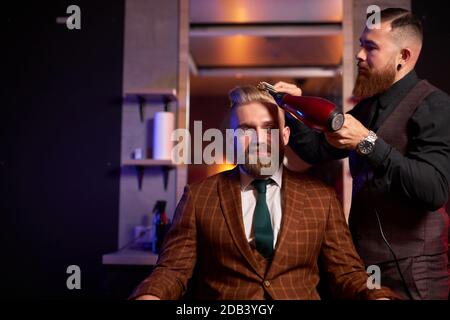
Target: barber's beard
[(369, 83), (264, 165)]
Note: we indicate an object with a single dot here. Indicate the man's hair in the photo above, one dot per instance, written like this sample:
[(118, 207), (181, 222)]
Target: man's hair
[(247, 94), (242, 95), (402, 20)]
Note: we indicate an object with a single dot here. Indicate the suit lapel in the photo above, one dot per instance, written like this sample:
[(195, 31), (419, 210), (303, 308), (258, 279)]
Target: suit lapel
[(289, 191), (229, 191)]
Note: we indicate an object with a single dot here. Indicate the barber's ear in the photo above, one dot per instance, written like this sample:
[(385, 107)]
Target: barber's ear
[(406, 54)]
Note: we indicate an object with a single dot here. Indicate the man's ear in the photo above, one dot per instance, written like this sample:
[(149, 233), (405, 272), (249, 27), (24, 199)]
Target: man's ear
[(405, 55), (286, 133)]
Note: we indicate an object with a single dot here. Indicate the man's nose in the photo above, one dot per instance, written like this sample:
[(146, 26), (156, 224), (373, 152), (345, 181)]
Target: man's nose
[(361, 55), (262, 135)]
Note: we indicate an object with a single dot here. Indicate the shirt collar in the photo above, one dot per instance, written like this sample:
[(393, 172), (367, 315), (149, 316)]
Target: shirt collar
[(246, 180), (398, 90)]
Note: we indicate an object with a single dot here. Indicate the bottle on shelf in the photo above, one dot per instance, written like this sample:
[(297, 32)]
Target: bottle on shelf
[(161, 225)]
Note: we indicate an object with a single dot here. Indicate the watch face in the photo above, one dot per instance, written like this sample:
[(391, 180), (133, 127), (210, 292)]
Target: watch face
[(365, 147)]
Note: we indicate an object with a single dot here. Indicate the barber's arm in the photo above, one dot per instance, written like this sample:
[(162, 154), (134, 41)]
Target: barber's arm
[(423, 174), (169, 278)]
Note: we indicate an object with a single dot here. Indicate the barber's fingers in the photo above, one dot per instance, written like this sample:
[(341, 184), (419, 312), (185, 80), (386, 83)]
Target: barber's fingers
[(282, 84), (288, 88), (337, 141), (332, 134), (349, 118)]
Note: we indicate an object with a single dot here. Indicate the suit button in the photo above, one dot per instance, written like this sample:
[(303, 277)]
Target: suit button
[(267, 283)]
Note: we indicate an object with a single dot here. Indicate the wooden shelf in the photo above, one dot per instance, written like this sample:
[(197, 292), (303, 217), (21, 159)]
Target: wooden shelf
[(153, 93), (130, 257)]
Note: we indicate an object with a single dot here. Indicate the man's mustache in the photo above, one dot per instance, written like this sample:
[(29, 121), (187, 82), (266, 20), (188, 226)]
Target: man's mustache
[(258, 147), (362, 64), (363, 67)]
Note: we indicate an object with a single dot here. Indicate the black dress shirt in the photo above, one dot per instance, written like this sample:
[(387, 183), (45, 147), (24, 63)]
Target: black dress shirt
[(423, 173)]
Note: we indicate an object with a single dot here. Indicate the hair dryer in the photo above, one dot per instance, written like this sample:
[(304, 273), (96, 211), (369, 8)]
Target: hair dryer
[(315, 112)]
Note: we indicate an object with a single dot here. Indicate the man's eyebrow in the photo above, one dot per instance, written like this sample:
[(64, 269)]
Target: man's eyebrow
[(249, 125), (269, 123), (245, 125), (366, 41)]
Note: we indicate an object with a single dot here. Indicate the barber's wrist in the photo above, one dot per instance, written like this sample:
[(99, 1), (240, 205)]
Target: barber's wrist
[(367, 144), (379, 153)]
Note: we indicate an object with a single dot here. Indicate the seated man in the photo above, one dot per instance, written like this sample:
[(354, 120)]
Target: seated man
[(258, 231)]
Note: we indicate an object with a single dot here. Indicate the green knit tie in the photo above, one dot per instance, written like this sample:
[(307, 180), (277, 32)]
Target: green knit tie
[(262, 225)]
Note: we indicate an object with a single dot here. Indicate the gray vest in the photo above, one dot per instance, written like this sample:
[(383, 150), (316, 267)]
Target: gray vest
[(410, 229)]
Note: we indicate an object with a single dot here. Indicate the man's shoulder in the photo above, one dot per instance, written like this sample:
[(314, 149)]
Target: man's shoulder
[(438, 98), (211, 181), (300, 179), (309, 182), (436, 103)]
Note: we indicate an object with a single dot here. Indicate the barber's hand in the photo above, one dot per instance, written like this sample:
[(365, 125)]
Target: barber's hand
[(292, 89), (147, 297), (348, 137)]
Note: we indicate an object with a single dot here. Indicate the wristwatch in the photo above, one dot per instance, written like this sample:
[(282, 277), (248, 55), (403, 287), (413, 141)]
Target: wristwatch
[(367, 144)]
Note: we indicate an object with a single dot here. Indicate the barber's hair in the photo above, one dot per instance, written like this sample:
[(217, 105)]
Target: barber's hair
[(402, 20), (247, 94)]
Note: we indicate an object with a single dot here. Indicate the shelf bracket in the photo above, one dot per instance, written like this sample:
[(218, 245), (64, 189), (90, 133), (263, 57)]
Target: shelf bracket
[(140, 176), (165, 170), (166, 101), (141, 100)]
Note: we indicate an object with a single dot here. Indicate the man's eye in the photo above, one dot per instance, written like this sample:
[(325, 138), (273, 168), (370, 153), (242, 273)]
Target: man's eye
[(247, 131)]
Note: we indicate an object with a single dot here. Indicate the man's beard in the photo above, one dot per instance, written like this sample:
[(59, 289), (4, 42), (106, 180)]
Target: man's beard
[(369, 83), (261, 166)]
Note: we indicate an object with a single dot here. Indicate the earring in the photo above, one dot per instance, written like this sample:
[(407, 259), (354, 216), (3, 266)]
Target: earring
[(399, 66)]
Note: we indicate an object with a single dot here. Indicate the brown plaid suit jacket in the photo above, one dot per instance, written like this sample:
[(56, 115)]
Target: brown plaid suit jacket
[(207, 236)]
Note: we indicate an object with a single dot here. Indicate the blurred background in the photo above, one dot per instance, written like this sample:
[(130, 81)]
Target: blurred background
[(78, 105)]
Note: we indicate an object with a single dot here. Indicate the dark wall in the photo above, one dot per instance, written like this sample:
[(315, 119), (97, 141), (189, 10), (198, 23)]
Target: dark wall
[(60, 121), (434, 62)]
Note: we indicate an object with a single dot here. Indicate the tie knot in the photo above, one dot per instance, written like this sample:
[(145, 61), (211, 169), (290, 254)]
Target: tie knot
[(261, 185)]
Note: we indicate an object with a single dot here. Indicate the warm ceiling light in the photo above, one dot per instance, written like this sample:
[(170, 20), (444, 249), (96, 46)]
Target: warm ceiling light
[(240, 14)]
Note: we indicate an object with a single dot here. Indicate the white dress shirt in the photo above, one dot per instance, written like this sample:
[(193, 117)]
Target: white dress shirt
[(273, 197)]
